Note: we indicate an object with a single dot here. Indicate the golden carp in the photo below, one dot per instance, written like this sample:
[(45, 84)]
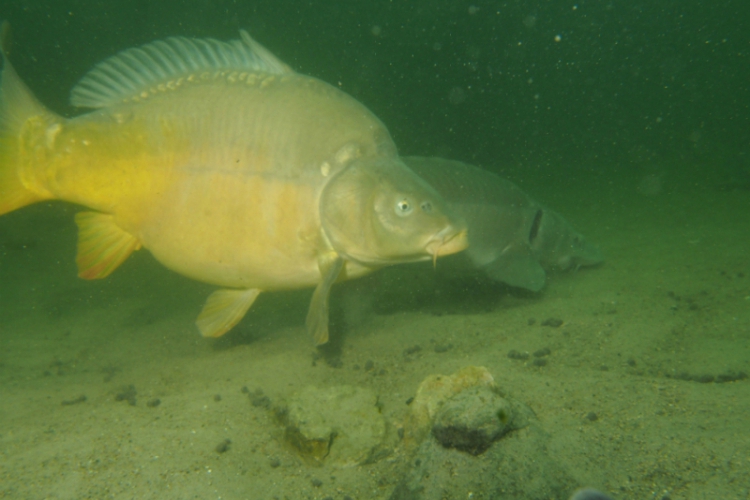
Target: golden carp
[(229, 167)]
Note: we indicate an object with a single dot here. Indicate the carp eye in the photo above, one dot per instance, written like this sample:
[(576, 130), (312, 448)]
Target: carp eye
[(403, 207), (427, 207)]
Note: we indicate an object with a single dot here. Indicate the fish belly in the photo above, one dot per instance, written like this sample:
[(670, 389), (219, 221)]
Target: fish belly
[(244, 231)]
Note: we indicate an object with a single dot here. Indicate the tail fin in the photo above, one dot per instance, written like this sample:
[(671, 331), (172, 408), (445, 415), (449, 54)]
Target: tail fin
[(17, 105)]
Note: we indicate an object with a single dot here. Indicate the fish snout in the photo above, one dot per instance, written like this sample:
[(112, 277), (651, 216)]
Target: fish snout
[(448, 241)]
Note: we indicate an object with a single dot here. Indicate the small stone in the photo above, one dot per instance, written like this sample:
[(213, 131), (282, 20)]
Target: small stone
[(128, 394), (260, 401), (441, 348), (592, 417), (730, 377), (223, 447), (412, 350), (521, 356), (74, 401), (334, 362), (553, 322), (153, 403), (339, 424), (472, 420)]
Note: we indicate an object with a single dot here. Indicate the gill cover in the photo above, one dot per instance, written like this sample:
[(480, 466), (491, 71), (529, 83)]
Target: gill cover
[(378, 212)]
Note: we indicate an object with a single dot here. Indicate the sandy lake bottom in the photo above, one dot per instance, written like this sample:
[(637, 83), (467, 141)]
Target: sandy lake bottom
[(108, 391)]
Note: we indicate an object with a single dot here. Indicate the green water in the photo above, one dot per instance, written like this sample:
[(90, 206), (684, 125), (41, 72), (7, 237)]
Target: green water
[(629, 118)]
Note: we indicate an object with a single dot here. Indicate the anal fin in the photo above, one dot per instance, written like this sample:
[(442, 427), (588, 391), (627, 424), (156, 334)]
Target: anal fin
[(317, 314), (102, 245), (223, 310)]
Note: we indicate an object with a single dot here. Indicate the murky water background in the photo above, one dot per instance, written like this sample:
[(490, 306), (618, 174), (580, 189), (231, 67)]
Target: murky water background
[(627, 118)]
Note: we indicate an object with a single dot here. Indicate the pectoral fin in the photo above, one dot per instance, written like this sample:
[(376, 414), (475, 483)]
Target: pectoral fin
[(102, 245), (317, 315), (224, 309), (516, 266)]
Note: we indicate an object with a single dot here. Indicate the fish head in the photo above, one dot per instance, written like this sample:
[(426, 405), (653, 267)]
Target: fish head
[(558, 246), (378, 212)]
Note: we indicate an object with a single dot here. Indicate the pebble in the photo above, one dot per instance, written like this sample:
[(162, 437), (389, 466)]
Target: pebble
[(514, 354), (75, 401), (223, 447), (128, 394), (553, 322)]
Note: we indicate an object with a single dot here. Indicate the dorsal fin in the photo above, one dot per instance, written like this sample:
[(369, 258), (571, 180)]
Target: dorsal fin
[(133, 71)]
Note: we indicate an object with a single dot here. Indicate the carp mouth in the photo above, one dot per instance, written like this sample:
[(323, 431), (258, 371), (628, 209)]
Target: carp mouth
[(448, 241)]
